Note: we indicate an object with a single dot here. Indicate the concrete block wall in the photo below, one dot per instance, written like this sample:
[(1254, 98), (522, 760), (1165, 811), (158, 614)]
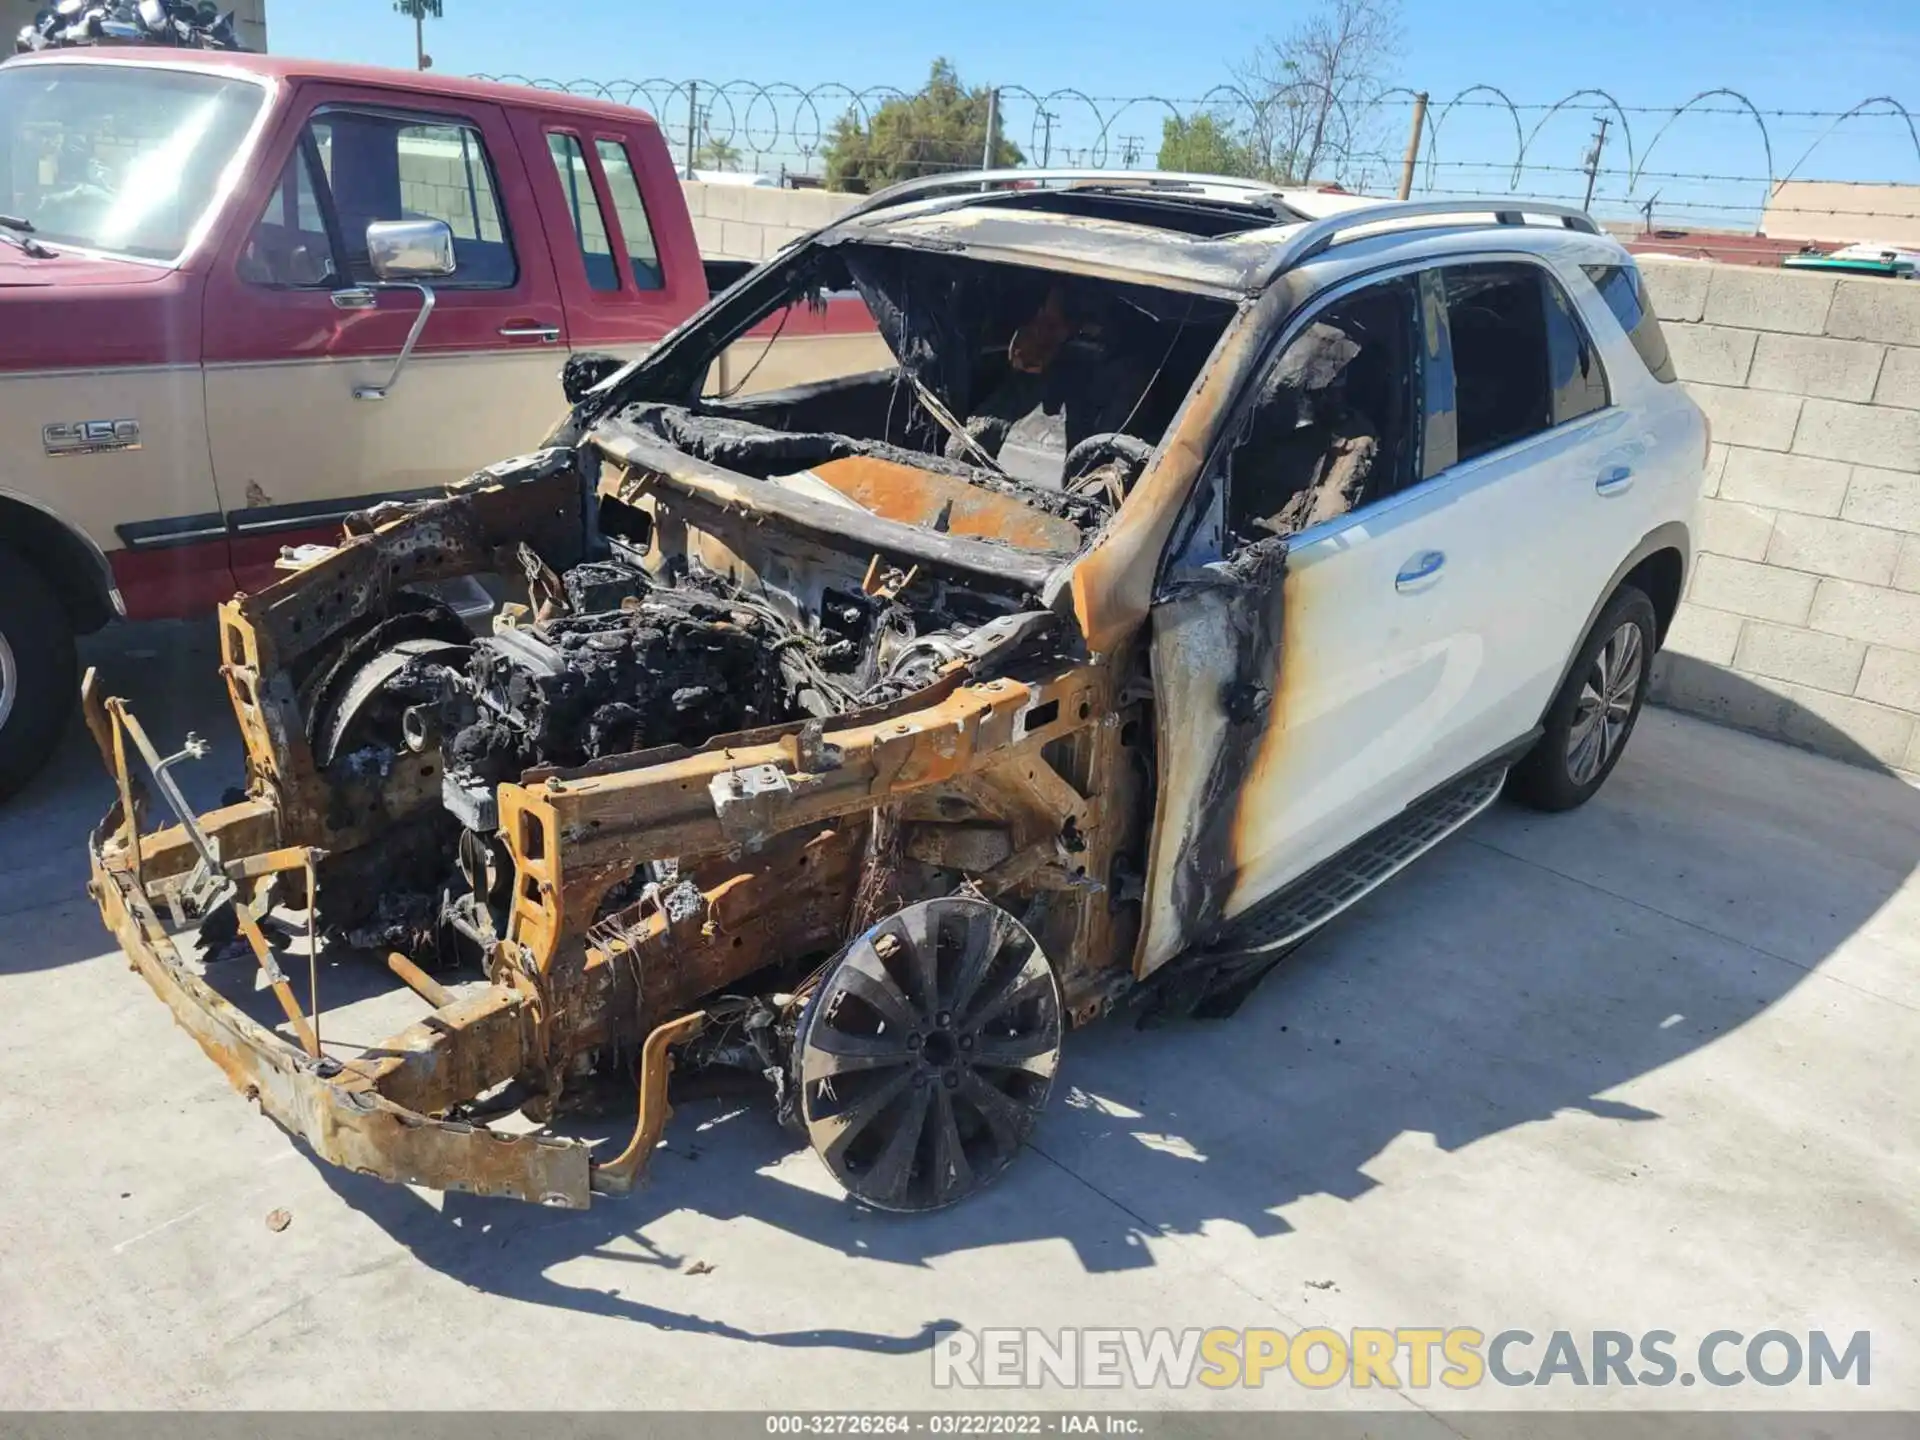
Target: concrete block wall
[(1802, 616), (751, 222)]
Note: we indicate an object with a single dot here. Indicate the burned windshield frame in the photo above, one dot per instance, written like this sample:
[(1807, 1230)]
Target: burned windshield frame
[(32, 84), (678, 367)]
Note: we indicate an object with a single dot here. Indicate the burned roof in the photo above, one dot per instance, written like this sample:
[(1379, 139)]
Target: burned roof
[(1191, 237)]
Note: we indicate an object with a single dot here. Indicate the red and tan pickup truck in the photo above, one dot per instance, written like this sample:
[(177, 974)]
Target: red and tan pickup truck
[(241, 296)]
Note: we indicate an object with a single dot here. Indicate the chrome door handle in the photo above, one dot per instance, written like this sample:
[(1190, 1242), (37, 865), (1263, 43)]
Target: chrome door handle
[(355, 297), (1420, 572), (1616, 481), (548, 333)]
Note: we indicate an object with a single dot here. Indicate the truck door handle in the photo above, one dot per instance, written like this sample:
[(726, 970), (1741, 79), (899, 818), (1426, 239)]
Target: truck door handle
[(527, 330), (1614, 481), (1420, 572)]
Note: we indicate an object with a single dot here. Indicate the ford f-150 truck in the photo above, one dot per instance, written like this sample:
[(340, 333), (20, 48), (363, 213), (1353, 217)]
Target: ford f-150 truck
[(241, 296)]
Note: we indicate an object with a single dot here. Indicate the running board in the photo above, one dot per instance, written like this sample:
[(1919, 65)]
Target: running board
[(1331, 886)]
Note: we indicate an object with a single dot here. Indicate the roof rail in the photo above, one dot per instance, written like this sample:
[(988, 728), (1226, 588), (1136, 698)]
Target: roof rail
[(959, 182), (1322, 235)]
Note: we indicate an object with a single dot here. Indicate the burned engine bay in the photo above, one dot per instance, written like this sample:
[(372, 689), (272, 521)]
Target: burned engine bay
[(783, 754)]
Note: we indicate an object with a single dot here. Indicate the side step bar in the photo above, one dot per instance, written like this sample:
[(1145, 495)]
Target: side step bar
[(1323, 892)]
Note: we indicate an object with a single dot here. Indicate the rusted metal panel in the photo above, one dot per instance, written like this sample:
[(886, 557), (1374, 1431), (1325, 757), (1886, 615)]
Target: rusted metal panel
[(352, 1127), (925, 497)]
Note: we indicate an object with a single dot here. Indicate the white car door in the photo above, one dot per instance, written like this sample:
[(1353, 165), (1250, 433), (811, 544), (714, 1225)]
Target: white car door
[(1416, 637), (1343, 637), (1539, 505)]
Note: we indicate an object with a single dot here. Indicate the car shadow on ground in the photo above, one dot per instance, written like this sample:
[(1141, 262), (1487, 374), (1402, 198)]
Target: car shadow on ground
[(1521, 971), (169, 671), (1517, 974)]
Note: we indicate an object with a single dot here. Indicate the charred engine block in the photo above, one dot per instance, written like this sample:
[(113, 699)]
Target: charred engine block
[(666, 666)]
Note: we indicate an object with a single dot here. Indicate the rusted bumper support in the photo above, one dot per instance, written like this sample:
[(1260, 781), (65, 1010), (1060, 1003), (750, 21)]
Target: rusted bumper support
[(345, 1123)]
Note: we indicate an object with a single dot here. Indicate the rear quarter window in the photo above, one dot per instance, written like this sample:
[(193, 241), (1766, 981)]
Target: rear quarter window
[(1626, 296)]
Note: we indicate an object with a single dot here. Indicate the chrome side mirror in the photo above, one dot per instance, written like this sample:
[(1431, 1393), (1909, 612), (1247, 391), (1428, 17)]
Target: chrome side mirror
[(404, 254), (409, 250)]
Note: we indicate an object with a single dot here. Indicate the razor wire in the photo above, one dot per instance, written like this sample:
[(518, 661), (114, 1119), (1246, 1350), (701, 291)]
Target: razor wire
[(761, 124)]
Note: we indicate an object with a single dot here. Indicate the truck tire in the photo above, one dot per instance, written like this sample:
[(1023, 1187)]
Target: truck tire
[(39, 672), (1587, 727)]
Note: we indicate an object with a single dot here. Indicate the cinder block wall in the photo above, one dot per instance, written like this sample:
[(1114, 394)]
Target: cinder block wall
[(1802, 616), (751, 222)]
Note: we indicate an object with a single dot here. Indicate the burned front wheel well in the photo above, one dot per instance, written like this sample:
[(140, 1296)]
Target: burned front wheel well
[(73, 569)]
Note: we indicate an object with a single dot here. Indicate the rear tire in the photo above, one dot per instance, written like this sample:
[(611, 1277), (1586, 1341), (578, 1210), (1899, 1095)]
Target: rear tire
[(1587, 727), (39, 672)]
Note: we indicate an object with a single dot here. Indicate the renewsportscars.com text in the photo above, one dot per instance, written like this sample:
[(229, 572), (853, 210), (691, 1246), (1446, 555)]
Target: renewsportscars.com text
[(1459, 1358)]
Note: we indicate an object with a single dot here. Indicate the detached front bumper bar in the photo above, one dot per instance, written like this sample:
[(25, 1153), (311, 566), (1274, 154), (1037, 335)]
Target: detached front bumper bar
[(337, 1106), (325, 1103)]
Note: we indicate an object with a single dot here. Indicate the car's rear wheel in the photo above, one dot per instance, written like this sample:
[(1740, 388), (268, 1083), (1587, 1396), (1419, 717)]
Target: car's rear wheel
[(1590, 721), (38, 672)]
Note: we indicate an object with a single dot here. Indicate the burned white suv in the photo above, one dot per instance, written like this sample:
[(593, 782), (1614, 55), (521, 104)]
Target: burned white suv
[(1194, 566)]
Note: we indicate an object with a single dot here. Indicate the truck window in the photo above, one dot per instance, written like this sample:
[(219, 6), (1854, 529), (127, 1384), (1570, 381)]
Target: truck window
[(583, 203), (289, 247), (368, 167), (624, 186)]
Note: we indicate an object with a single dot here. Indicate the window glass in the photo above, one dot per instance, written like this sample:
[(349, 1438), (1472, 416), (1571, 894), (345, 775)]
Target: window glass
[(120, 158), (589, 225), (382, 167), (1579, 380), (1626, 296), (624, 186), (1334, 419), (289, 245), (1497, 317)]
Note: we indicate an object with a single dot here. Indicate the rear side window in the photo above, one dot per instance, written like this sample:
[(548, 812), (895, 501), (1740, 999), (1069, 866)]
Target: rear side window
[(1579, 380), (1498, 318), (583, 204), (624, 186), (1626, 296)]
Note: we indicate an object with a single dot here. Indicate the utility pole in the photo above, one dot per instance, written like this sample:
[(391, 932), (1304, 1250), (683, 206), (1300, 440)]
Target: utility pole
[(1046, 142), (1647, 210), (693, 124), (1593, 160), (420, 10), (993, 115), (1129, 151), (1413, 144)]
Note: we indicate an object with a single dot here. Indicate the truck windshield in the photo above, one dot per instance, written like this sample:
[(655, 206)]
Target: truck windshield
[(121, 158)]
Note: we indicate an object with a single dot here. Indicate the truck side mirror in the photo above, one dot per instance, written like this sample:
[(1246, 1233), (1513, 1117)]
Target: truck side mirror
[(410, 250), (404, 254)]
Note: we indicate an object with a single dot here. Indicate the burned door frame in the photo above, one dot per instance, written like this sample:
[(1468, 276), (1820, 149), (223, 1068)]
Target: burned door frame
[(1222, 625)]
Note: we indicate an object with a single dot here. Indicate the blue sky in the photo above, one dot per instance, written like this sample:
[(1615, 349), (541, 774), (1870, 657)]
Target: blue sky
[(1784, 54)]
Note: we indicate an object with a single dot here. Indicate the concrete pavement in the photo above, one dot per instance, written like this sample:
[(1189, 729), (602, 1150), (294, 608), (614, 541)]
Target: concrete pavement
[(1648, 1066)]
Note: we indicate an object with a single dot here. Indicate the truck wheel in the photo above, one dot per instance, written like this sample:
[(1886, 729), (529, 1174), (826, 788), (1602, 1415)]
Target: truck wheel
[(926, 1054), (38, 672), (1588, 725)]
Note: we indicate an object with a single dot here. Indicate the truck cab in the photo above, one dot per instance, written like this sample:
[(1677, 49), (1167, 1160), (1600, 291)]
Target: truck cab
[(242, 296)]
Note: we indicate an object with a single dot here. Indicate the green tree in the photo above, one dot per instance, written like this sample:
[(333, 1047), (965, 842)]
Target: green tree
[(717, 155), (941, 129), (1205, 146)]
